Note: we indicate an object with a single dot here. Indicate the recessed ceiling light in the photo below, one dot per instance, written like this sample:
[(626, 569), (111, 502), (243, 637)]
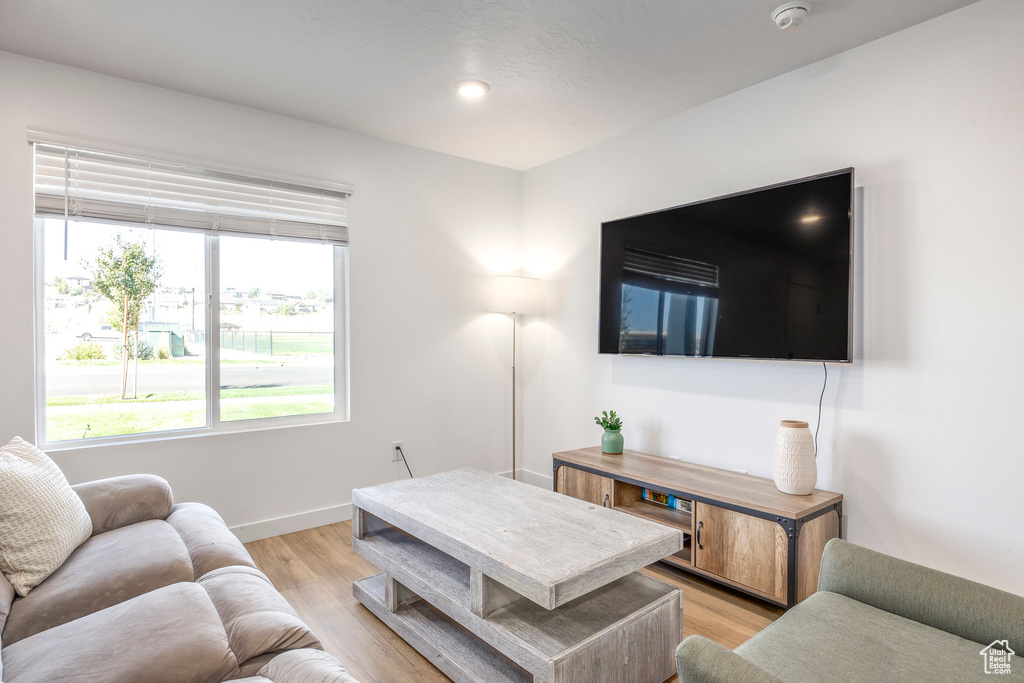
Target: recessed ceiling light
[(810, 218), (472, 88)]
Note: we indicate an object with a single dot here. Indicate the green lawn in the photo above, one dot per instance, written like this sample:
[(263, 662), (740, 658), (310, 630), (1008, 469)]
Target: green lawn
[(286, 344), (91, 423), (275, 391), (279, 343), (191, 360), (78, 417), (106, 400), (230, 413), (189, 396)]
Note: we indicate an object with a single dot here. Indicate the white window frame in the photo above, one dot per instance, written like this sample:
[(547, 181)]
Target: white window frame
[(214, 425)]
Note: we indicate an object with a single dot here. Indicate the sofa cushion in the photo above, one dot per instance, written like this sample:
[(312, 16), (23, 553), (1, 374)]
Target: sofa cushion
[(105, 570), (171, 635), (210, 543), (121, 501), (257, 618), (830, 637), (252, 666), (6, 598), (305, 666), (979, 612), (42, 520), (299, 666)]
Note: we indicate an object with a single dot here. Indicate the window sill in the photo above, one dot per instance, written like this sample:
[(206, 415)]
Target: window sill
[(225, 428)]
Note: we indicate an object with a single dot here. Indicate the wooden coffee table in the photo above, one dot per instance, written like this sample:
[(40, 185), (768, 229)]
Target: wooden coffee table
[(495, 580)]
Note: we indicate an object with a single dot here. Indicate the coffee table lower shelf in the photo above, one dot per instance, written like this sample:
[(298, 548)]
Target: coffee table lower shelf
[(451, 648)]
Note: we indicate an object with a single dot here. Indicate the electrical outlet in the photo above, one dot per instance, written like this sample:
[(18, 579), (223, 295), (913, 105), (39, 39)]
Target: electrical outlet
[(395, 455)]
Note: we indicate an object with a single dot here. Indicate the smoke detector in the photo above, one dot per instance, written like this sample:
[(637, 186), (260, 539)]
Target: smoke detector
[(791, 15)]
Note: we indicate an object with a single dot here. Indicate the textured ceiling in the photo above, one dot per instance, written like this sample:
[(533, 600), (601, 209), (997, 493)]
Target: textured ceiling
[(564, 74)]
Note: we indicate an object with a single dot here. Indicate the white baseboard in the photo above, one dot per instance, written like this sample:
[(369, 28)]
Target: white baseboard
[(339, 513), (292, 523)]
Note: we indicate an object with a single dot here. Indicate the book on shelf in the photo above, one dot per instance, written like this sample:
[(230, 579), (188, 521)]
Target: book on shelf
[(668, 500)]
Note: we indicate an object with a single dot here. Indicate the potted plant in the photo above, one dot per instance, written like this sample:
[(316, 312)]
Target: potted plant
[(611, 440)]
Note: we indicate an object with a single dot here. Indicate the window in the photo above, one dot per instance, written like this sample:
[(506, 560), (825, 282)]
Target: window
[(165, 383), (669, 305), (283, 314), (172, 299)]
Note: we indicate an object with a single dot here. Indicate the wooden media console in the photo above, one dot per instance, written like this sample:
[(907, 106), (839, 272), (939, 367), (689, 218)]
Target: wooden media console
[(740, 530)]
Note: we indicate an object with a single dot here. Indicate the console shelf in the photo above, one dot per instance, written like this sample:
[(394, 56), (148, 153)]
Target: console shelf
[(657, 513)]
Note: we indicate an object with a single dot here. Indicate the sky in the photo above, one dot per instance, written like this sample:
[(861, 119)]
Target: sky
[(271, 265)]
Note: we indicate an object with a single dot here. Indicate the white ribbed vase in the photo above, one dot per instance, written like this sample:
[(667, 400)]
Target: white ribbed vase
[(796, 470)]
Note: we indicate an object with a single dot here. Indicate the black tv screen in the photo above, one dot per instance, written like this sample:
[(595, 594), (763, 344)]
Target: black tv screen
[(761, 274)]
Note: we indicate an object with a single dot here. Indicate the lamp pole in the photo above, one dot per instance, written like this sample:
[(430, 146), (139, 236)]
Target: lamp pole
[(516, 295), (513, 395)]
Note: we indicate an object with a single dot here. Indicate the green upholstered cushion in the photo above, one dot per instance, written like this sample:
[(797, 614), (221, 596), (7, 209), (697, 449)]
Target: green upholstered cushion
[(970, 610), (830, 637)]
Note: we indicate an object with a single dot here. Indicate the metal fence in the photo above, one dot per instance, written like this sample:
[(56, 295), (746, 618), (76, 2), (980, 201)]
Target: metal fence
[(269, 343)]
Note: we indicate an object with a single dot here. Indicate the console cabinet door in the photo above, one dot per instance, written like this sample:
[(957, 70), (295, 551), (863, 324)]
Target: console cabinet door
[(746, 550), (586, 486)]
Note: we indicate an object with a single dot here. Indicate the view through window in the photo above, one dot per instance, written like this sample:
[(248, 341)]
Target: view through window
[(276, 309), (276, 328)]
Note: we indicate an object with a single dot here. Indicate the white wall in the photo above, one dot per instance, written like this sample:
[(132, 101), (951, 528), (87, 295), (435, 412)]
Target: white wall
[(924, 434), (428, 366)]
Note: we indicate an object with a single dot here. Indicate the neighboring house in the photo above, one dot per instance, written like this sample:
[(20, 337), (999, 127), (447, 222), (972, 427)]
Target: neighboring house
[(168, 299), (82, 281), (55, 300), (265, 305)]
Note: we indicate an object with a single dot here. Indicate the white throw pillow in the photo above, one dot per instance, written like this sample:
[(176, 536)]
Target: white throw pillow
[(42, 519)]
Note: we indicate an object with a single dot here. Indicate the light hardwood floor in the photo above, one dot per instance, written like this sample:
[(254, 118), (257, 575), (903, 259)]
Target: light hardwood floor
[(314, 569)]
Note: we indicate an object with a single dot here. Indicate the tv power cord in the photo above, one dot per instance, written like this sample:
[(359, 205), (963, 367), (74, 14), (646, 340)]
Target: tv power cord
[(820, 399)]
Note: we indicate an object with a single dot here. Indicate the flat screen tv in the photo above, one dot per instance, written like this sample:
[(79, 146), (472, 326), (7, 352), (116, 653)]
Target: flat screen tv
[(762, 274)]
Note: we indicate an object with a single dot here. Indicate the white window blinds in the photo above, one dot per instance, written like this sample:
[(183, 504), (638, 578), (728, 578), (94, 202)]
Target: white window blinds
[(672, 268), (82, 184)]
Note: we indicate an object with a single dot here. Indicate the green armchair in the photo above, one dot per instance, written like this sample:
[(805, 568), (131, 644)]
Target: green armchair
[(873, 618)]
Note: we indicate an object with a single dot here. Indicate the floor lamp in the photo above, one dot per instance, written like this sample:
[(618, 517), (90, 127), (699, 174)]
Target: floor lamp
[(516, 295)]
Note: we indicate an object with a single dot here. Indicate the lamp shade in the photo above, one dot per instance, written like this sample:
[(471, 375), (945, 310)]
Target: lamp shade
[(516, 294)]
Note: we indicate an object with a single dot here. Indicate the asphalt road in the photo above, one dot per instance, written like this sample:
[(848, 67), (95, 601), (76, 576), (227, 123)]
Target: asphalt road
[(106, 380)]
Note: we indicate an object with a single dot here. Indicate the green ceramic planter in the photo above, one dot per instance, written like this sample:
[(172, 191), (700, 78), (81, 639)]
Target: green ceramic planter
[(611, 442)]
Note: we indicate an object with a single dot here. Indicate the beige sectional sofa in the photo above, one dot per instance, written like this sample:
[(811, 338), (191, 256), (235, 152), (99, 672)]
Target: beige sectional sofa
[(160, 593)]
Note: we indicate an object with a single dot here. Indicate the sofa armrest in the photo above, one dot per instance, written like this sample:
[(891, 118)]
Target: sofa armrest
[(700, 660), (949, 603), (121, 501)]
